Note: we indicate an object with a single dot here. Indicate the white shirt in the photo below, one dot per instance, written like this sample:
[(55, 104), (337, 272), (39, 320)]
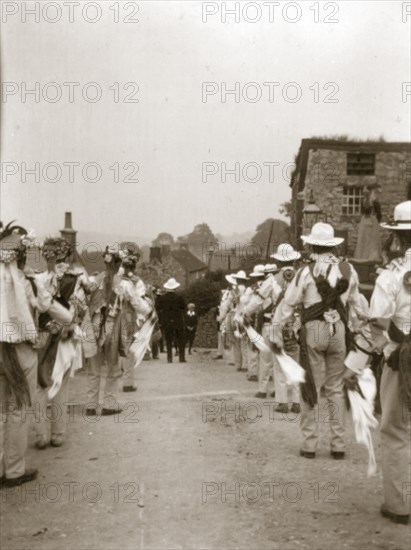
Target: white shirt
[(391, 299), (127, 290), (303, 289), (267, 294), (226, 304)]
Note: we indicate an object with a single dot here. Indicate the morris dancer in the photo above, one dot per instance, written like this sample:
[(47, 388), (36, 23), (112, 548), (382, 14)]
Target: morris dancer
[(57, 350), (225, 316), (137, 315), (20, 298), (220, 332), (390, 313), (106, 314), (324, 289), (286, 257), (127, 363), (256, 320), (240, 340), (265, 298)]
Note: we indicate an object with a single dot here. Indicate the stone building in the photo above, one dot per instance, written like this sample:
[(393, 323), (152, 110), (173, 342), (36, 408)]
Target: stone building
[(335, 172), (165, 263)]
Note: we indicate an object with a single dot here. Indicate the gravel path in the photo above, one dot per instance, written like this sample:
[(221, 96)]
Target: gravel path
[(194, 461)]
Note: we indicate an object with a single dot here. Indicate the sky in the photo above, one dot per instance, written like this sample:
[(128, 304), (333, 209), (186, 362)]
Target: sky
[(163, 163)]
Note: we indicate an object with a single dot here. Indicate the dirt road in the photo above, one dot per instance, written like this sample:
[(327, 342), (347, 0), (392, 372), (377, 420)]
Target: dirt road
[(194, 461)]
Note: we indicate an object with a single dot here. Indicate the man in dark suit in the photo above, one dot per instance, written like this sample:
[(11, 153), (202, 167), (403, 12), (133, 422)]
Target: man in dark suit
[(171, 309)]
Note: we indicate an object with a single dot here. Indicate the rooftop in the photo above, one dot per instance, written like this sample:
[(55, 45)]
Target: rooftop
[(187, 260), (360, 145), (309, 144)]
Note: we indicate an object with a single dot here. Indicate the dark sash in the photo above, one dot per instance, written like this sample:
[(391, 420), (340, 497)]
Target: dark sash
[(400, 360), (48, 354), (308, 389), (330, 299)]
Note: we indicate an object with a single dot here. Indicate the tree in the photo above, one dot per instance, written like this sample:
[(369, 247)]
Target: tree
[(198, 240), (200, 234), (269, 235), (163, 239), (286, 209)]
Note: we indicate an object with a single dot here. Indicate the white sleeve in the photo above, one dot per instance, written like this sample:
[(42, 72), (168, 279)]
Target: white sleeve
[(383, 298), (356, 300), (292, 298), (139, 304), (285, 310), (42, 301), (225, 307)]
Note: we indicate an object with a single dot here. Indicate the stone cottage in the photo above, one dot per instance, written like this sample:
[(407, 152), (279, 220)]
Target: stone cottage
[(335, 172), (165, 263)]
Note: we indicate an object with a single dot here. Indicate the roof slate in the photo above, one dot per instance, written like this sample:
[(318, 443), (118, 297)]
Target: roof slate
[(187, 260)]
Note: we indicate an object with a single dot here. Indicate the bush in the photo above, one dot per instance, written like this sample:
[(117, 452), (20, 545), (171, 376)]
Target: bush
[(205, 294)]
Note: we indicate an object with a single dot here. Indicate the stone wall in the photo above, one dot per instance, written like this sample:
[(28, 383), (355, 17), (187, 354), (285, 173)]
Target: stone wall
[(327, 175), (207, 331)]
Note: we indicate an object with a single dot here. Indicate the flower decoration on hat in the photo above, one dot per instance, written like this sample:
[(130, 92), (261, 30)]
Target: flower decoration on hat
[(29, 240), (115, 250), (14, 242), (129, 263), (56, 249)]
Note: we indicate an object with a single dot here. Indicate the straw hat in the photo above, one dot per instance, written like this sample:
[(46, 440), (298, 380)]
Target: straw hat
[(240, 276), (258, 271), (230, 279), (322, 234), (171, 284), (402, 217), (270, 268), (286, 253)]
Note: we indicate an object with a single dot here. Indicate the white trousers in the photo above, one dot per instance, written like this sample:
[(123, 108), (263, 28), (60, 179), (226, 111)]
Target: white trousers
[(127, 365), (111, 381), (396, 444), (14, 422), (240, 350), (53, 419), (266, 363)]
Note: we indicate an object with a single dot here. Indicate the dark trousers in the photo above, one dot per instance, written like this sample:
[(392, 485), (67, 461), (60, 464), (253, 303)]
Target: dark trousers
[(190, 335), (155, 349), (175, 335)]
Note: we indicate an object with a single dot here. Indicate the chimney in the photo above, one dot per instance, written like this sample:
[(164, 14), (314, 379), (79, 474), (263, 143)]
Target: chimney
[(68, 233), (155, 253)]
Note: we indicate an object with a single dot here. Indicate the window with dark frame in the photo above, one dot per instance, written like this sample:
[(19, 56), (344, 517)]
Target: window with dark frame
[(351, 201), (360, 164)]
